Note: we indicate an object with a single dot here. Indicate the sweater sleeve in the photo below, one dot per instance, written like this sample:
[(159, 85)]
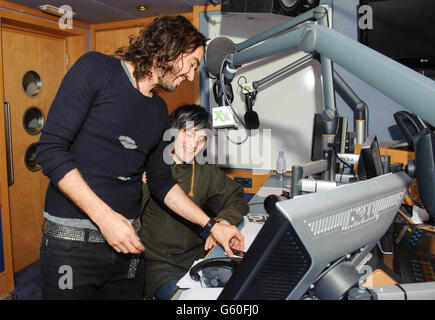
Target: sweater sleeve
[(67, 113), (159, 177), (226, 197)]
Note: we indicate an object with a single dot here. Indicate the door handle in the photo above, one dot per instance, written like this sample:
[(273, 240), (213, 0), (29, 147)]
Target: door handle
[(8, 135)]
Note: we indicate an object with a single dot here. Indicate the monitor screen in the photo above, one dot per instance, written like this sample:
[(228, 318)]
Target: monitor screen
[(369, 162), (425, 169), (402, 30)]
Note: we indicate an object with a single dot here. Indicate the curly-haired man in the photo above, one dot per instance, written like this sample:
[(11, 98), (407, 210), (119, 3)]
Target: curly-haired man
[(104, 128)]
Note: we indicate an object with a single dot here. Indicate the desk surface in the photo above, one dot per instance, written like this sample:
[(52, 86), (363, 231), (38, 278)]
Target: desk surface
[(256, 205)]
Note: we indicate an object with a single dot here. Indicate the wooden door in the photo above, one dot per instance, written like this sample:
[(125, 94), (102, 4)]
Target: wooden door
[(6, 267), (33, 67)]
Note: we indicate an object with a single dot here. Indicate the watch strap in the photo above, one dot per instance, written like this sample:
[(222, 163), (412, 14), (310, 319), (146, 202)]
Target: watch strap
[(209, 225)]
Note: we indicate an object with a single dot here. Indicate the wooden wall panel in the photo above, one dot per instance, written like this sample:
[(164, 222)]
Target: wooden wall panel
[(107, 41), (257, 179), (6, 276), (76, 47), (24, 51), (19, 19)]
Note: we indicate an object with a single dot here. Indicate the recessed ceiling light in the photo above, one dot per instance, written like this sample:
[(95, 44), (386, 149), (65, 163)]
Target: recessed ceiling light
[(142, 8)]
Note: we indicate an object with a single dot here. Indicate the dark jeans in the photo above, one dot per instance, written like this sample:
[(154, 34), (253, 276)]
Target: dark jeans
[(82, 270)]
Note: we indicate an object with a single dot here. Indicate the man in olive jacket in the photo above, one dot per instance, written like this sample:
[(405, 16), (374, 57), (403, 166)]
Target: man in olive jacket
[(173, 243)]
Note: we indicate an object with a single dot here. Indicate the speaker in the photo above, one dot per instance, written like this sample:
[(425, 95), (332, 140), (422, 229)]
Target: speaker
[(284, 7)]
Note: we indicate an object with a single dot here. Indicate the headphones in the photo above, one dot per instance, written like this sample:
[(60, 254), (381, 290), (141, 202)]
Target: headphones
[(215, 272)]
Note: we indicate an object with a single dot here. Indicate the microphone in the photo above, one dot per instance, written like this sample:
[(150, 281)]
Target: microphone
[(269, 203), (251, 120), (217, 50), (251, 117)]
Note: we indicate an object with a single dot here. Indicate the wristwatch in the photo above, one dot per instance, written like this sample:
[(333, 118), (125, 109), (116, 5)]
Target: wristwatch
[(209, 225)]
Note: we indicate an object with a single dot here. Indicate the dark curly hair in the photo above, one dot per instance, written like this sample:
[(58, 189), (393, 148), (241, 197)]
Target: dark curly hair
[(163, 40)]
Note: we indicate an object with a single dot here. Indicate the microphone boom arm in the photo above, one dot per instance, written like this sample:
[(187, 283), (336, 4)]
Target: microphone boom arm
[(250, 89), (297, 63), (386, 75), (356, 104), (410, 89), (318, 14)]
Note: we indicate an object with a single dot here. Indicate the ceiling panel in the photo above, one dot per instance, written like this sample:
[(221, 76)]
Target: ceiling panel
[(99, 11)]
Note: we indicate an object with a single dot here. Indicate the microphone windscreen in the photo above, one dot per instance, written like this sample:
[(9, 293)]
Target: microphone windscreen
[(251, 120), (269, 203), (217, 50)]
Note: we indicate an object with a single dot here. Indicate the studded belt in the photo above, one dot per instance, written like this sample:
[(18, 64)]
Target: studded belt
[(60, 231)]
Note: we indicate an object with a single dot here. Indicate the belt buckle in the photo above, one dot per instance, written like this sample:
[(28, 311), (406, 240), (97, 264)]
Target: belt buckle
[(136, 225)]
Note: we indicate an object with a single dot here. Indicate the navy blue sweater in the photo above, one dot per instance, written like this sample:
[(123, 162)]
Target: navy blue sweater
[(103, 126)]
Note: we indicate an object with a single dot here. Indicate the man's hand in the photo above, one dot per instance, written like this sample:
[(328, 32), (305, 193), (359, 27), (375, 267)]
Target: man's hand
[(116, 229), (226, 235), (210, 242), (119, 234), (229, 237)]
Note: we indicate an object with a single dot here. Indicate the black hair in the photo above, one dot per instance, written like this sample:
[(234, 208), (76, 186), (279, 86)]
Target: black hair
[(186, 114)]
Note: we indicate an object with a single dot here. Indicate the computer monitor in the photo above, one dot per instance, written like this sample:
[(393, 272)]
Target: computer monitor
[(424, 147), (400, 31), (421, 139), (314, 234), (369, 162)]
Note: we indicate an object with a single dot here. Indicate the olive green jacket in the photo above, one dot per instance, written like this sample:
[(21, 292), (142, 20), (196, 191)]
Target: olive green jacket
[(172, 243)]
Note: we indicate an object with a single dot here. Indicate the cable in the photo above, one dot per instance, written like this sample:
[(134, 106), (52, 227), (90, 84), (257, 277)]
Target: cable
[(414, 202), (222, 80), (213, 2), (249, 204), (238, 81), (235, 142), (367, 120), (344, 162)]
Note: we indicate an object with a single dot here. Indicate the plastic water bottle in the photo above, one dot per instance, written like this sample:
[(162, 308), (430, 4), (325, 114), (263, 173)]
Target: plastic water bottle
[(281, 167)]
